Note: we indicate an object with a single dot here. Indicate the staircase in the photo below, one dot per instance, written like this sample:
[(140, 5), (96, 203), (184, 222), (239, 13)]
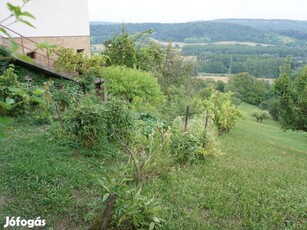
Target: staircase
[(41, 61)]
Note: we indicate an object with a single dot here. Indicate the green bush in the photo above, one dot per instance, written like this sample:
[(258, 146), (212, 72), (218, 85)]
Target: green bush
[(151, 141), (66, 95), (17, 98), (86, 121), (120, 119), (4, 61), (261, 115), (194, 144), (223, 113), (131, 209), (134, 86)]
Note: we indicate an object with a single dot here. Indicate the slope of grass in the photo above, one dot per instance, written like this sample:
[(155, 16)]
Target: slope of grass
[(42, 178), (259, 183)]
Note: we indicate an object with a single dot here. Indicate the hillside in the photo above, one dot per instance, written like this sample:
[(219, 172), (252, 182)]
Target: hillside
[(292, 28), (259, 183), (211, 31), (241, 30)]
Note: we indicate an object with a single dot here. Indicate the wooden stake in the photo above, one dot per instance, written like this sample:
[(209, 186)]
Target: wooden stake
[(107, 212), (59, 114), (186, 118)]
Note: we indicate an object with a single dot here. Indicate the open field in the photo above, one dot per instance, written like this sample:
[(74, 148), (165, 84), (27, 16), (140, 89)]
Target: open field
[(225, 77), (182, 44), (259, 183)]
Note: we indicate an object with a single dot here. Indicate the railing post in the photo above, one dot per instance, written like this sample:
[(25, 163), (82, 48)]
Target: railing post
[(22, 45)]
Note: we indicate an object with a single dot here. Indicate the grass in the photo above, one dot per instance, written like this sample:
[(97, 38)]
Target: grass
[(259, 183)]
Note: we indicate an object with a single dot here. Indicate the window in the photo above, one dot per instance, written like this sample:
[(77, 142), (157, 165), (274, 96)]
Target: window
[(31, 55), (80, 50)]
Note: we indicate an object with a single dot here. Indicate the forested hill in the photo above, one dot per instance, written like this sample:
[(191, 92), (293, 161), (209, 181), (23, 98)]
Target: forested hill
[(292, 28), (208, 31), (241, 30), (269, 24)]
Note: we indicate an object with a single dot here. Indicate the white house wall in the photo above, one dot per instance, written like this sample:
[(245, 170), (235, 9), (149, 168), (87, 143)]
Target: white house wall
[(53, 18)]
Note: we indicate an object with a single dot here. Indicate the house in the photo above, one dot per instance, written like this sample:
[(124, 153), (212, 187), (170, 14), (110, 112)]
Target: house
[(57, 22)]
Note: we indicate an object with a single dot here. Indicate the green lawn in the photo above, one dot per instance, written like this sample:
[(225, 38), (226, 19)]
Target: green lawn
[(259, 183)]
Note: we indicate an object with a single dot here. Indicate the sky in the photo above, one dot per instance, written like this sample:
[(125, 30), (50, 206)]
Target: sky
[(192, 10)]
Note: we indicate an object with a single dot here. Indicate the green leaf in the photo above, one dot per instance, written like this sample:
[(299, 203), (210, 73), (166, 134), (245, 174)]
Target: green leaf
[(25, 58), (15, 90), (105, 197), (15, 10), (9, 101), (26, 22), (45, 45), (37, 99), (105, 187), (27, 14), (155, 219), (38, 92), (5, 32), (5, 106), (151, 226)]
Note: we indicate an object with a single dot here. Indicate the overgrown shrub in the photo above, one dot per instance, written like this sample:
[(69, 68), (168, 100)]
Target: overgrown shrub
[(120, 119), (131, 209), (151, 142), (274, 108), (66, 95), (86, 121), (5, 58), (17, 98), (223, 113), (194, 144), (260, 115)]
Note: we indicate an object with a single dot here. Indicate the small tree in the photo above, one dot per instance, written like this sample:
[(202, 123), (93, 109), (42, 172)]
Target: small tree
[(132, 85), (125, 49), (78, 64), (292, 99), (224, 114), (261, 115)]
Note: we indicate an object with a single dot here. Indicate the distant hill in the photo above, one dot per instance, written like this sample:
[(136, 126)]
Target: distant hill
[(269, 24), (179, 32), (242, 30), (291, 28)]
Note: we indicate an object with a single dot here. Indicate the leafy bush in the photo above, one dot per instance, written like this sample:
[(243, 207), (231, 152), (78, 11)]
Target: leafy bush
[(261, 115), (223, 113), (273, 106), (186, 147), (151, 141), (134, 86), (17, 98), (131, 209), (66, 96), (120, 119), (4, 61), (77, 63), (194, 144), (86, 121)]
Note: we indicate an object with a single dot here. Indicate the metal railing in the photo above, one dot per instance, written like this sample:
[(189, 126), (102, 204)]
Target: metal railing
[(15, 36)]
